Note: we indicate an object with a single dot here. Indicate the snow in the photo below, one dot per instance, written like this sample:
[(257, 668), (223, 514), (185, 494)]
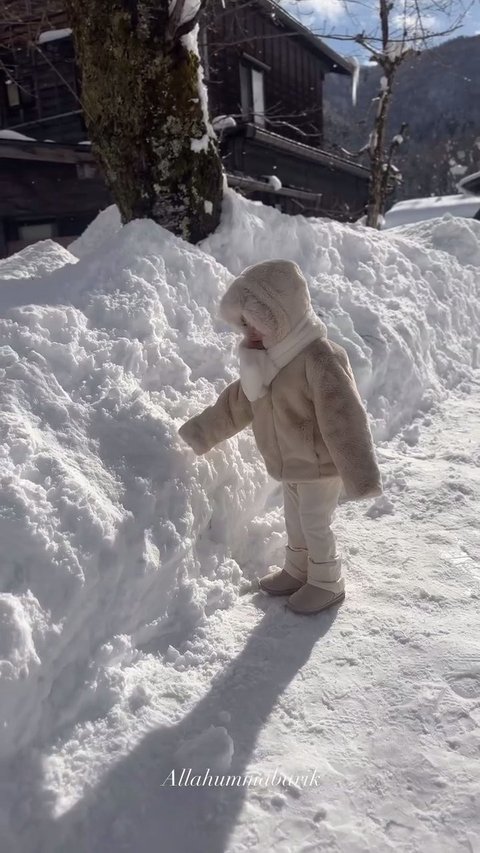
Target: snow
[(397, 48), (34, 261), (420, 209), (98, 377), (200, 144), (132, 640), (13, 134), (223, 122), (364, 287), (190, 42), (107, 224), (274, 182), (457, 169), (54, 35), (211, 749), (190, 9)]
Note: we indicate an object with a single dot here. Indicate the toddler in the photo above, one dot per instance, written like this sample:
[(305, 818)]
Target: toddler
[(298, 391)]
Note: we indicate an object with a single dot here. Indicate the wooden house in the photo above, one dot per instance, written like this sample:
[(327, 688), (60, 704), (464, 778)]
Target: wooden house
[(264, 72)]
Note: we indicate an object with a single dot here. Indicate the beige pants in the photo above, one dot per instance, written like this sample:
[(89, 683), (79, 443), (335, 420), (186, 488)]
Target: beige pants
[(311, 553)]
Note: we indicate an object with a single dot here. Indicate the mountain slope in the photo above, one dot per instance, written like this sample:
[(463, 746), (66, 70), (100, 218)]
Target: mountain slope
[(438, 95)]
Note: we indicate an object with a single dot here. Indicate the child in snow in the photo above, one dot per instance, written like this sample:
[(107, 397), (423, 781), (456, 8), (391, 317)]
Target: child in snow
[(297, 390)]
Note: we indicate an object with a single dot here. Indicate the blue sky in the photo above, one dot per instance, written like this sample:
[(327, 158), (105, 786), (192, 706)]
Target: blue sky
[(340, 17)]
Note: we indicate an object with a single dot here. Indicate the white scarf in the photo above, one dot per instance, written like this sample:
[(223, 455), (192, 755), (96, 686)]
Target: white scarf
[(258, 367)]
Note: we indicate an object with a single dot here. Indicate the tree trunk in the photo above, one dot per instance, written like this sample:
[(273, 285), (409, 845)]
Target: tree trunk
[(146, 118), (378, 186)]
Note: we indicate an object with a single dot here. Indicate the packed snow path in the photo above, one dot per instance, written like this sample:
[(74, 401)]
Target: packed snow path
[(380, 697)]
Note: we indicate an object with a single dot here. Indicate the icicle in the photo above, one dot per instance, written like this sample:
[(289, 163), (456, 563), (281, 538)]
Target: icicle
[(355, 78)]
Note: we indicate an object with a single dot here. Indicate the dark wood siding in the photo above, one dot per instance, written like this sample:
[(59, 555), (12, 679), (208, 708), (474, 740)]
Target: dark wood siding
[(23, 20), (49, 92), (293, 80), (31, 189), (344, 195), (48, 185)]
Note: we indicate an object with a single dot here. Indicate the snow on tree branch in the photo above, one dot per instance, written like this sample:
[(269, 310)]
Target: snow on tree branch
[(183, 16)]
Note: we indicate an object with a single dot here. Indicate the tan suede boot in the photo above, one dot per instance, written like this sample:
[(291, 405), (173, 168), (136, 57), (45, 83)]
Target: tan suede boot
[(311, 599), (280, 582)]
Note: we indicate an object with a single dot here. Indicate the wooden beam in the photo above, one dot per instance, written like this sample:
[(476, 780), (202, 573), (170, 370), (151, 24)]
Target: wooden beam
[(254, 185), (47, 153), (306, 152)]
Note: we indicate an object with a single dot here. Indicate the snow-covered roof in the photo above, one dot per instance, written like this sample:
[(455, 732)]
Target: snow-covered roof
[(54, 35), (223, 122), (420, 209), (12, 134)]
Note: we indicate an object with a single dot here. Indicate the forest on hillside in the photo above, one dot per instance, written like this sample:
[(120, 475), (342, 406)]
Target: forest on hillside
[(438, 95)]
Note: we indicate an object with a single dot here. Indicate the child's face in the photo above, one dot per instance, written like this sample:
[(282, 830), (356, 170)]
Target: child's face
[(252, 337)]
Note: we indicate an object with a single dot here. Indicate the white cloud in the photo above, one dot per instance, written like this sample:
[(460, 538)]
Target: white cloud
[(416, 25), (308, 11)]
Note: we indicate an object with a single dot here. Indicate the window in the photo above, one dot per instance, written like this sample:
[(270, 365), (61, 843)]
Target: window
[(86, 171), (31, 231), (13, 94), (258, 97), (252, 90), (18, 95)]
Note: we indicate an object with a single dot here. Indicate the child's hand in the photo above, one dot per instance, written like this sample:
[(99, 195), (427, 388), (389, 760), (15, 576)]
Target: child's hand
[(192, 434)]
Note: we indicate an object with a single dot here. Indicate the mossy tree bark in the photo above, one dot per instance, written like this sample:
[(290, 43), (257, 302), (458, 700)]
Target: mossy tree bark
[(379, 167), (145, 115)]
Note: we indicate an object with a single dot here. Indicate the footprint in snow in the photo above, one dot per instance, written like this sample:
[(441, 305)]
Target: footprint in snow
[(465, 684)]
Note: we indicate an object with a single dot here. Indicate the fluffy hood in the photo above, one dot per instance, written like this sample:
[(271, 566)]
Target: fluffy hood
[(272, 296)]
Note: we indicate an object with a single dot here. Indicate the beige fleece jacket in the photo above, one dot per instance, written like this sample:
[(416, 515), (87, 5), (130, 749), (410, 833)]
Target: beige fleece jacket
[(311, 422)]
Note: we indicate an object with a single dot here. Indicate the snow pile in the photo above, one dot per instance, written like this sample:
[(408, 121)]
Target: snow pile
[(54, 35), (223, 122), (112, 532), (274, 182), (421, 209), (13, 134), (34, 261), (404, 303), (105, 226), (106, 519)]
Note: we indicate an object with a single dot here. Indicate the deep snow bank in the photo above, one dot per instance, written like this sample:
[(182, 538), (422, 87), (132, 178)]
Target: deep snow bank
[(111, 530), (405, 304), (106, 520), (42, 258)]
